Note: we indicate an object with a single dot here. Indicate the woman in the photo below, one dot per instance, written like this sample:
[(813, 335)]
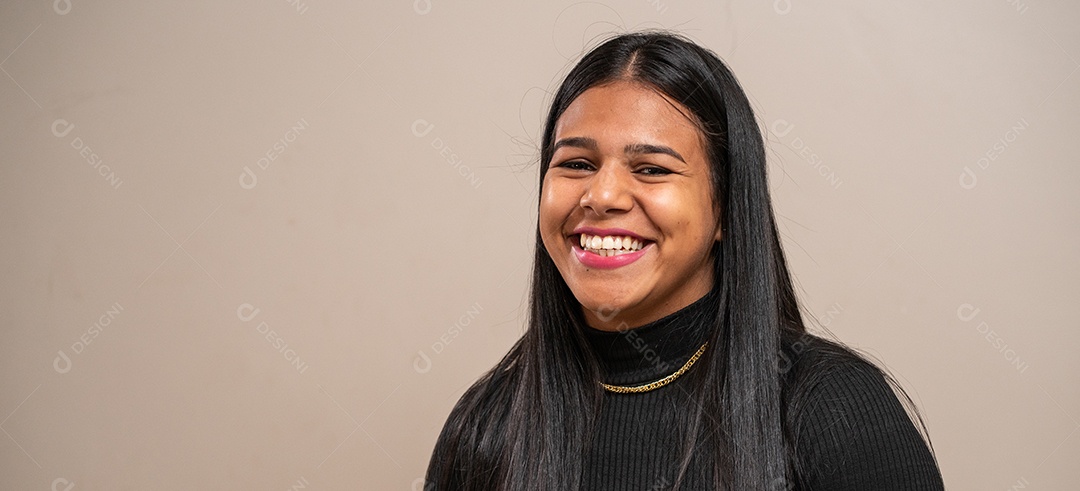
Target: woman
[(665, 348)]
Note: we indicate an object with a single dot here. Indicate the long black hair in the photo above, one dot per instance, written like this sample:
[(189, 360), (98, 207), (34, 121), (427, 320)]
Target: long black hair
[(525, 424)]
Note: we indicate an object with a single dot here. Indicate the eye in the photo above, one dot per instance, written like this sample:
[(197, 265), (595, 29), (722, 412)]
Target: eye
[(653, 170), (575, 165)]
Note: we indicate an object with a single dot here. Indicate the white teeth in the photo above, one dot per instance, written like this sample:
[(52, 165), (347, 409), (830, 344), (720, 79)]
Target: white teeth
[(612, 245)]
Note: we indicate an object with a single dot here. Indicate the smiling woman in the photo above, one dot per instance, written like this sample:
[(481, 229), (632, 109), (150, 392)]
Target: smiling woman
[(628, 163), (665, 348)]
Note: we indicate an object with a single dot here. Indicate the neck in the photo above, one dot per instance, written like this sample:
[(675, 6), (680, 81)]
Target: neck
[(655, 349)]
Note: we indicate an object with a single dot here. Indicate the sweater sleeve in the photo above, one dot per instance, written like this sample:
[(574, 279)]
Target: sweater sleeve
[(856, 435)]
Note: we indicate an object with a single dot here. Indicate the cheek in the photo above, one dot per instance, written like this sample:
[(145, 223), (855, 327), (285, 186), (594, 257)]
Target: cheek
[(681, 212), (555, 208), (667, 208)]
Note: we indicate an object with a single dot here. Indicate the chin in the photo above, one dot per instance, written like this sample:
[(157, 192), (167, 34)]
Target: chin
[(603, 304)]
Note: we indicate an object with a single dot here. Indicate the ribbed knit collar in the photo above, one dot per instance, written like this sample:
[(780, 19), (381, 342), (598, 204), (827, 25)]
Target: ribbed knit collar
[(654, 350)]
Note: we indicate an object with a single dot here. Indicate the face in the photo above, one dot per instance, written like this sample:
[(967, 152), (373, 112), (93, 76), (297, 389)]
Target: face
[(630, 173)]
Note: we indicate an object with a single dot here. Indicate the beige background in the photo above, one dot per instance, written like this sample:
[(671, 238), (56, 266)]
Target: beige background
[(180, 313)]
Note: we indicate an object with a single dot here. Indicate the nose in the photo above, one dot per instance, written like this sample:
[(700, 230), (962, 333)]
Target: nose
[(608, 191)]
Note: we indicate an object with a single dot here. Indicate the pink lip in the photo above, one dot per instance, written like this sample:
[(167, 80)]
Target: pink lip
[(597, 261)]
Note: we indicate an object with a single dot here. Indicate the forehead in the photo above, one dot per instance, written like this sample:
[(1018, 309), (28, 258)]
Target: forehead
[(626, 112)]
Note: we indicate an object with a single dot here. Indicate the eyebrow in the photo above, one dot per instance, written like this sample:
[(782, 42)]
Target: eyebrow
[(631, 149)]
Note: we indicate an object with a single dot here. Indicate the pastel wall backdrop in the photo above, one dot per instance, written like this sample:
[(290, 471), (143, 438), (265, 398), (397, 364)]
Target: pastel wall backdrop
[(267, 245)]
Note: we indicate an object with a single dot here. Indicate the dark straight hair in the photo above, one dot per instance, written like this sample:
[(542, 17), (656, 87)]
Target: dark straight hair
[(525, 424)]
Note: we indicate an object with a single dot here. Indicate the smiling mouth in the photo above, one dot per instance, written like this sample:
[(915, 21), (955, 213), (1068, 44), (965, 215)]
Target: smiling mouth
[(609, 245)]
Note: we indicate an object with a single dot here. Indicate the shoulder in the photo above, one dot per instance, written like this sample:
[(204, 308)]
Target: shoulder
[(485, 402), (466, 454), (849, 429)]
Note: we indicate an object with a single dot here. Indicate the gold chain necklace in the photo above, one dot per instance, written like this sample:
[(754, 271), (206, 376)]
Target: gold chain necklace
[(637, 389)]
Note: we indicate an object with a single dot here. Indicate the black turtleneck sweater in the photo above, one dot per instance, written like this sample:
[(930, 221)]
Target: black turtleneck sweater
[(846, 428), (853, 432)]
